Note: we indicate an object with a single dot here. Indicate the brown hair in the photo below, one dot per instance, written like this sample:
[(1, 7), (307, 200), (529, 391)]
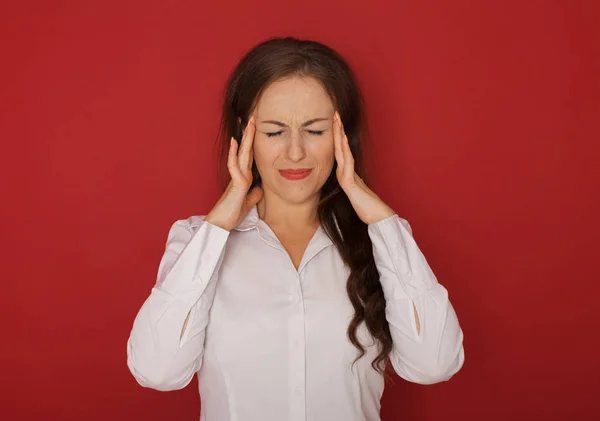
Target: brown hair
[(284, 57)]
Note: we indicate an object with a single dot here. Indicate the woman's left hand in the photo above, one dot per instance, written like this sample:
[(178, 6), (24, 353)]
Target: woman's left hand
[(368, 206)]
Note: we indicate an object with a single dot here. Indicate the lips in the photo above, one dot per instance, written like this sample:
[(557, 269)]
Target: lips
[(295, 174)]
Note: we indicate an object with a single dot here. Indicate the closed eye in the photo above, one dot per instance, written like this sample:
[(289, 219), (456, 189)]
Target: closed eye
[(271, 134), (312, 132)]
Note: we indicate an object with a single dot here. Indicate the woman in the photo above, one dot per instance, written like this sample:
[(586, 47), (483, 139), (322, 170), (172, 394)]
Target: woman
[(291, 294)]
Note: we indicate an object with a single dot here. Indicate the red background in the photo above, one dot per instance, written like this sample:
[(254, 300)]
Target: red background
[(485, 130)]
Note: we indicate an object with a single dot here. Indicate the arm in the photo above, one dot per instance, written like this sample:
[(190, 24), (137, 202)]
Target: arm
[(428, 340), (166, 343)]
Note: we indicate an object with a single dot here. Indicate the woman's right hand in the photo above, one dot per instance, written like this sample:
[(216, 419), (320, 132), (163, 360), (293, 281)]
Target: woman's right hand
[(236, 202)]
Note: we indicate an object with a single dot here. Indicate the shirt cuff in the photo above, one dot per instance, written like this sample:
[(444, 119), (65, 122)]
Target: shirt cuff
[(402, 267), (196, 264)]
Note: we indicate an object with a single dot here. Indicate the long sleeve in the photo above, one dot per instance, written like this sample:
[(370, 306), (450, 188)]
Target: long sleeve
[(158, 355), (435, 352)]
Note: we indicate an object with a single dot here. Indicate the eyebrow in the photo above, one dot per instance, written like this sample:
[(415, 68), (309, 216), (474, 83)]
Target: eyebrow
[(306, 123)]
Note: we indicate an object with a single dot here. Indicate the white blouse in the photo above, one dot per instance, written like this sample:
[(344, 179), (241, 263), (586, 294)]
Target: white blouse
[(268, 341)]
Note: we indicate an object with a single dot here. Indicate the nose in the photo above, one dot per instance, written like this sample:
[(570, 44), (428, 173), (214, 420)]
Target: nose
[(295, 150)]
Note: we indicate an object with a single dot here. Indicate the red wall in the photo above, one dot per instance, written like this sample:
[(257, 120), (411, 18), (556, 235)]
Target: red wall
[(485, 130)]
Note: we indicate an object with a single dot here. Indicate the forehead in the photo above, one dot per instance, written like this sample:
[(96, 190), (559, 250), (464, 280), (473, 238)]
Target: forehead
[(294, 96)]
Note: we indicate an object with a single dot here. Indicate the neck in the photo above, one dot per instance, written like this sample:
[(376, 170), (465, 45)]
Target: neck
[(277, 212)]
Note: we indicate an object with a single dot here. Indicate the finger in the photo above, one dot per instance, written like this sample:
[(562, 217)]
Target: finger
[(337, 140), (244, 155), (232, 155), (348, 169), (244, 132), (253, 198), (348, 158), (232, 160), (251, 160)]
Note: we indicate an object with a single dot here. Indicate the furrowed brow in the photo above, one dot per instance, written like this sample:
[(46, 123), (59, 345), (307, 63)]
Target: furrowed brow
[(306, 123)]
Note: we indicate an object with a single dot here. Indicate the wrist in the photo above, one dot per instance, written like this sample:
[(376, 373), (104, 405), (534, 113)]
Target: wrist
[(214, 220), (381, 214)]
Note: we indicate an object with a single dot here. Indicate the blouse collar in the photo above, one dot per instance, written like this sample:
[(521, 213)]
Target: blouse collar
[(319, 241)]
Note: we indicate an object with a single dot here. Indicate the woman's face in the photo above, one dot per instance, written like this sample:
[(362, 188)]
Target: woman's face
[(293, 142)]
